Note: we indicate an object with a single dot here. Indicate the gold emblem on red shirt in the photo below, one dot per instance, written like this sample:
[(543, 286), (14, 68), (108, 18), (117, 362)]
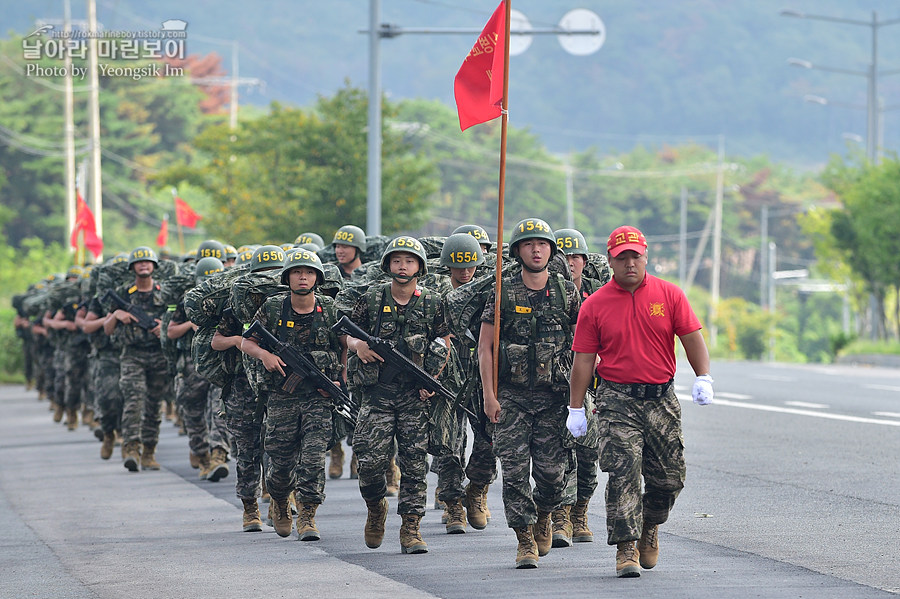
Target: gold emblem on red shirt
[(657, 309)]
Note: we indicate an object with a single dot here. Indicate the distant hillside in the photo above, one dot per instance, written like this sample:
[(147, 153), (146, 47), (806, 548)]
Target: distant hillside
[(670, 71)]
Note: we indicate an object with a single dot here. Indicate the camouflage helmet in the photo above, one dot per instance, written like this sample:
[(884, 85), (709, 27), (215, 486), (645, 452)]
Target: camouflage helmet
[(120, 257), (461, 250), (300, 257), (191, 255), (266, 257), (139, 254), (211, 249), (207, 267), (243, 257), (230, 253), (74, 272), (309, 246), (310, 238), (286, 247), (475, 231), (531, 228), (571, 241), (351, 235), (408, 244)]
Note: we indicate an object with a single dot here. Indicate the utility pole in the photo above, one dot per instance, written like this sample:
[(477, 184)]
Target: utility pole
[(96, 202), (69, 114), (717, 245)]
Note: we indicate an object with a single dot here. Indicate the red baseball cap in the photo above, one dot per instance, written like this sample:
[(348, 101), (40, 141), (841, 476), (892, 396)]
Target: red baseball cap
[(626, 238)]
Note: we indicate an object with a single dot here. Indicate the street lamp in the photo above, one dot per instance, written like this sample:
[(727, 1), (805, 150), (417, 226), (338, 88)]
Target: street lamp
[(872, 74)]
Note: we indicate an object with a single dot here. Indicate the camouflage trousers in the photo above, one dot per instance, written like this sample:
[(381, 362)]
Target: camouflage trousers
[(382, 418), (28, 357), (449, 467), (245, 429), (191, 395), (75, 366), (59, 376), (145, 383), (581, 477), (216, 421), (481, 469), (106, 374), (298, 431), (529, 440), (639, 437), (43, 379)]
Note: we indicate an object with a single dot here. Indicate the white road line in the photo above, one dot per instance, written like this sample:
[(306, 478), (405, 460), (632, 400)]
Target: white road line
[(803, 404), (882, 387), (887, 414), (733, 395), (765, 408)]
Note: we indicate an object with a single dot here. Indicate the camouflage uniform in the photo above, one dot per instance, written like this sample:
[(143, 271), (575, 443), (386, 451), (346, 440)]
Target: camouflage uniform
[(535, 337), (105, 374), (239, 402), (389, 410), (639, 436), (298, 425), (144, 379), (75, 362), (191, 390)]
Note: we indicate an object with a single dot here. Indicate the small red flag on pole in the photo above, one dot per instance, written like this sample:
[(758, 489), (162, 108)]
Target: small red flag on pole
[(163, 238), (84, 222), (185, 215), (478, 86)]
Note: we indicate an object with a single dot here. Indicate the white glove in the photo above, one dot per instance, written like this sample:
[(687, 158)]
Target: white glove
[(703, 391), (576, 422)]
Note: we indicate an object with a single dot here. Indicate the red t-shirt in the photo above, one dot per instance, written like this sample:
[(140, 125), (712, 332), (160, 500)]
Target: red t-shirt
[(634, 334)]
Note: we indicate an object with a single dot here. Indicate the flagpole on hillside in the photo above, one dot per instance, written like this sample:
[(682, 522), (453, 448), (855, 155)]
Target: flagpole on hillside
[(504, 120), (178, 222)]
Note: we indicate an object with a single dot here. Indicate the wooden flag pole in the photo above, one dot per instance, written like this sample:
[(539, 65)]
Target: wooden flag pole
[(504, 120), (178, 222)]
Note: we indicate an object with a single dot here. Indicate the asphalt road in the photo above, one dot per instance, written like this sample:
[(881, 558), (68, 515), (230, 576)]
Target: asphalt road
[(792, 491)]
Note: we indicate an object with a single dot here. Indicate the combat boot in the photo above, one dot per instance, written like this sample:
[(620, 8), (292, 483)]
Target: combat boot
[(72, 418), (148, 460), (58, 412), (438, 504), (374, 530), (526, 553), (627, 557), (281, 516), (648, 545), (218, 469), (456, 517), (87, 417), (265, 497), (562, 526), (203, 459), (252, 521), (336, 467), (410, 538), (543, 534), (306, 522), (484, 504), (393, 478), (106, 450), (131, 452), (354, 467), (476, 505), (580, 531)]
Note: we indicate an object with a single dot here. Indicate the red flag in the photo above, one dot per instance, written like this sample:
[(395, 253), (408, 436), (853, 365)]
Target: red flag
[(84, 221), (478, 86), (185, 215), (163, 236)]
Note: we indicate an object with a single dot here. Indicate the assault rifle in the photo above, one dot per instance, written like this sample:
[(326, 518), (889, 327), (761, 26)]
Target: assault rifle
[(300, 368), (144, 320), (396, 363)]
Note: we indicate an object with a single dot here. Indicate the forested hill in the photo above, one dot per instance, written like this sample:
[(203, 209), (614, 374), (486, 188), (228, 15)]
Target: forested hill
[(670, 70)]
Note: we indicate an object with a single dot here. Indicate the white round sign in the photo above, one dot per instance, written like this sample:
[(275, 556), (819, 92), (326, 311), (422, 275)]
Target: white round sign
[(518, 42), (579, 20)]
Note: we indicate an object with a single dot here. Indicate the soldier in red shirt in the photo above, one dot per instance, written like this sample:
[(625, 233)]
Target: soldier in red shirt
[(631, 323)]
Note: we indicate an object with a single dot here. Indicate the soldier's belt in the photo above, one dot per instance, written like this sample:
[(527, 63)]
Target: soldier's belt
[(640, 390)]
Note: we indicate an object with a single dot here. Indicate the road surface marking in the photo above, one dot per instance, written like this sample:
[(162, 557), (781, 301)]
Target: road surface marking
[(803, 404), (765, 408)]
